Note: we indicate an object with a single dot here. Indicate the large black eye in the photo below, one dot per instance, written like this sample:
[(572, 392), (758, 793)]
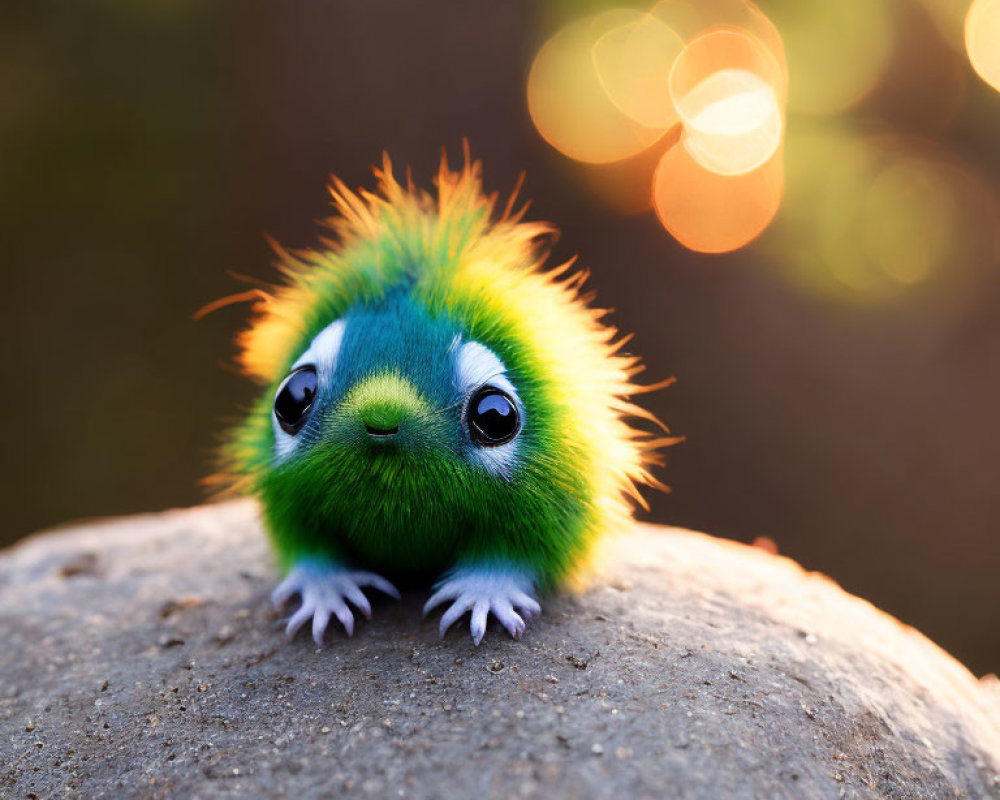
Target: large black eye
[(493, 417), (295, 398)]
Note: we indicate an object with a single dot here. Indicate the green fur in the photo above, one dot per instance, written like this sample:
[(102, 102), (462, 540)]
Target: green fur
[(415, 506)]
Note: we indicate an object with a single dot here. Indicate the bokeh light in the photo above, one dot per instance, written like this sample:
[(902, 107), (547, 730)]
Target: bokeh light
[(568, 102), (713, 213), (948, 18), (908, 220), (691, 19), (890, 214), (865, 216), (605, 89), (633, 63), (724, 86), (982, 39), (837, 51)]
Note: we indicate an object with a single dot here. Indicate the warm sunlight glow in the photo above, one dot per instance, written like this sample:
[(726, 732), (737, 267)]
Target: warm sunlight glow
[(693, 92), (982, 40), (723, 84), (691, 18), (633, 64), (733, 122), (568, 102), (714, 213)]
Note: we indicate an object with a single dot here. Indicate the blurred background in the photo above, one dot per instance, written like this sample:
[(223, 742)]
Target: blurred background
[(838, 375)]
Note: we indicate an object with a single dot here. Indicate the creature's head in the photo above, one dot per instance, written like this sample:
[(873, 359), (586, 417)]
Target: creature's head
[(430, 388), (389, 382)]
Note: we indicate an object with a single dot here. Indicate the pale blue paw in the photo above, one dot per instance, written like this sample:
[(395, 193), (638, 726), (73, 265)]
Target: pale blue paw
[(504, 591), (325, 590)]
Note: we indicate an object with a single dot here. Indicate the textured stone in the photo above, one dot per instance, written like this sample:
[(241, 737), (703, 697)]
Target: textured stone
[(139, 658)]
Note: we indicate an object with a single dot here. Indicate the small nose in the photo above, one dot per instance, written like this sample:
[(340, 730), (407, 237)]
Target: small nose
[(381, 419), (383, 403), (382, 433)]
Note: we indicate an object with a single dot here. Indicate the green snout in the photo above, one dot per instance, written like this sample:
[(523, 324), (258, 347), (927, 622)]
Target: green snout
[(383, 404)]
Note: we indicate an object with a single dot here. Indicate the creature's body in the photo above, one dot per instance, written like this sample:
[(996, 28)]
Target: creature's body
[(437, 406)]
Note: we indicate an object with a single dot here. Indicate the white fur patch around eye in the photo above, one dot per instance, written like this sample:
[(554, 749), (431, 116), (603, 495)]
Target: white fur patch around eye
[(475, 366), (321, 353), (324, 349)]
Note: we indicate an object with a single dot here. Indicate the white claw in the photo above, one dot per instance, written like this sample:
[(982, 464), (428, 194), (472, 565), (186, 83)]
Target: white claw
[(509, 618), (458, 608), (321, 617), (283, 591), (529, 605), (358, 600), (448, 591), (324, 589), (502, 590), (478, 623), (376, 582)]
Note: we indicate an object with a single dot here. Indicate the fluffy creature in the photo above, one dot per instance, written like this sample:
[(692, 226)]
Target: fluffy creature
[(438, 405)]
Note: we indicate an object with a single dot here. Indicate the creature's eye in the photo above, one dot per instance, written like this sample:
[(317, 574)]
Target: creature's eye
[(492, 417), (295, 398)]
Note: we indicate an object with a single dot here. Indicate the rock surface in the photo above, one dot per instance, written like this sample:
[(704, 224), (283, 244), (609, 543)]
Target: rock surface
[(140, 658)]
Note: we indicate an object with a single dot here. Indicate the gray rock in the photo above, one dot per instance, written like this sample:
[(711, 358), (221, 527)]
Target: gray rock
[(139, 658)]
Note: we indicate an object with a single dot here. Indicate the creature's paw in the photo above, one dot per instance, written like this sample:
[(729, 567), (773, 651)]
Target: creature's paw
[(501, 590), (324, 590)]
